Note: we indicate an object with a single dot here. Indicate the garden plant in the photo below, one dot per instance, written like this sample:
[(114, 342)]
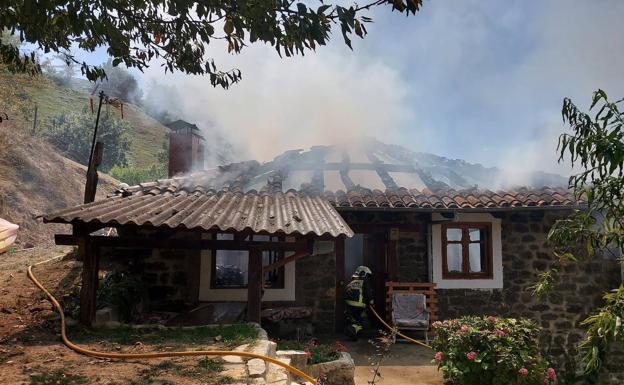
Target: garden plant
[(490, 351)]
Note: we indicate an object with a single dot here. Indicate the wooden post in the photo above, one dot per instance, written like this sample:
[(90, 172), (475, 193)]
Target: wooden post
[(90, 268), (254, 285), (339, 251), (391, 255), (92, 175)]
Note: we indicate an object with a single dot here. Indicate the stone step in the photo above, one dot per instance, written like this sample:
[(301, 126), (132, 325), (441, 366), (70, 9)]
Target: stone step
[(297, 358), (277, 375)]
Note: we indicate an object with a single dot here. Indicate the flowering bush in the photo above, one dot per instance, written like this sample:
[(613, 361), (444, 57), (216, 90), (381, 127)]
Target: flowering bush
[(490, 351)]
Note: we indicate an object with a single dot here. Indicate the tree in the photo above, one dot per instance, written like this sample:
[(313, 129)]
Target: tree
[(71, 134), (120, 83), (178, 32), (596, 145)]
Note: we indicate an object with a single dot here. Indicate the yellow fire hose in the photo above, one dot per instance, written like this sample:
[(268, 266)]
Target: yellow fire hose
[(397, 332), (125, 356)]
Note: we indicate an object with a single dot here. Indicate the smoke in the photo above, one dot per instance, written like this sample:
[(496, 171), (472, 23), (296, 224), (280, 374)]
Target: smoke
[(478, 80), (327, 97)]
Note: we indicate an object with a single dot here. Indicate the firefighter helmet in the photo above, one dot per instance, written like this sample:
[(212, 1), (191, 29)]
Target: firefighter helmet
[(361, 272)]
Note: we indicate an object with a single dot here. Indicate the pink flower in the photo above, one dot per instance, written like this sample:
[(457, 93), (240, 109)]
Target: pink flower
[(436, 324), (500, 333), (439, 356), (308, 354), (341, 347), (523, 372), (471, 356), (492, 319), (551, 374), (464, 329)]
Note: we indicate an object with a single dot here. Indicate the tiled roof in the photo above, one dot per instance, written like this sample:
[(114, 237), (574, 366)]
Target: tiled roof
[(225, 211), (470, 199), (444, 199)]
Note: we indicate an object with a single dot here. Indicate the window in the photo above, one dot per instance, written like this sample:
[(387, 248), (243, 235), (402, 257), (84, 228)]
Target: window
[(229, 267), (466, 251)]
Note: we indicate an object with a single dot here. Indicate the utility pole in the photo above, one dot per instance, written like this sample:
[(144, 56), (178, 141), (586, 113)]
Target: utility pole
[(95, 158)]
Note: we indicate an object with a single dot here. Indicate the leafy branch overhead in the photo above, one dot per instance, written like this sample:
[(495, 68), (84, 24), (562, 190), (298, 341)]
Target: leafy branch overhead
[(134, 32)]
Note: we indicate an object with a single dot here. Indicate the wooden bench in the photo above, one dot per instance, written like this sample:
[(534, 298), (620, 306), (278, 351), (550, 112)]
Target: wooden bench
[(426, 288)]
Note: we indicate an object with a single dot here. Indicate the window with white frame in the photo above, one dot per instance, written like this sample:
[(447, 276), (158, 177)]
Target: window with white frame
[(466, 253)]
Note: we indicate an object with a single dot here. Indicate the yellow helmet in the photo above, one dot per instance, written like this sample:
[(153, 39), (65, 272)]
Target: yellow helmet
[(361, 272)]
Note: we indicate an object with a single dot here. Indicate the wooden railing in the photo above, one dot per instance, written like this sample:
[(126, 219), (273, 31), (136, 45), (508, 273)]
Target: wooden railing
[(426, 288)]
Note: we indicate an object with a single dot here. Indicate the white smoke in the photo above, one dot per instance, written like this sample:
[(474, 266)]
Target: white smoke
[(478, 80), (323, 98)]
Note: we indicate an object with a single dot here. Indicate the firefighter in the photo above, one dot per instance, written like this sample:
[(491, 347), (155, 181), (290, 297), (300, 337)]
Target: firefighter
[(358, 295)]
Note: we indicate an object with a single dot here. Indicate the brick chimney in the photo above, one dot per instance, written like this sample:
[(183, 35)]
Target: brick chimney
[(186, 150)]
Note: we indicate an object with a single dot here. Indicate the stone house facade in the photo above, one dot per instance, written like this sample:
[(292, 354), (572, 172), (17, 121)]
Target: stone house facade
[(482, 251), (520, 252)]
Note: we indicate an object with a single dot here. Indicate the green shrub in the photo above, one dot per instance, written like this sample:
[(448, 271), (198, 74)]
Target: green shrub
[(490, 351), (122, 291), (136, 175), (72, 135)]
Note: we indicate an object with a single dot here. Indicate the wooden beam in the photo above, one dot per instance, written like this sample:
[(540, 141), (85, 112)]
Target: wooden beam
[(199, 244), (339, 251), (254, 285), (284, 261), (88, 291)]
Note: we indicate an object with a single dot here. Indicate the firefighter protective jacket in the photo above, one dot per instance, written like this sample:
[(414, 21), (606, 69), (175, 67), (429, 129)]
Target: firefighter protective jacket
[(359, 293)]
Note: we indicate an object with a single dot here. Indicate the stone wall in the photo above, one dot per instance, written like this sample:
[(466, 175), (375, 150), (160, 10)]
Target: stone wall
[(171, 277), (412, 256), (525, 253), (315, 287)]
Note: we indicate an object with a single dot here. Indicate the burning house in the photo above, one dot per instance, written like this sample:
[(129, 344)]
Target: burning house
[(288, 233)]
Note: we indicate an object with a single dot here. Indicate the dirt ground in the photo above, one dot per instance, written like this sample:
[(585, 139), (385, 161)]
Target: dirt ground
[(406, 364), (31, 351)]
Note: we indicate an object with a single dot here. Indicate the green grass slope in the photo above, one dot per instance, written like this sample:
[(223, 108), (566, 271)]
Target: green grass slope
[(21, 93)]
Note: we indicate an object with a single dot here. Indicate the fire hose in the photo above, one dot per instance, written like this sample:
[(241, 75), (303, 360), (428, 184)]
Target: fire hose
[(396, 330), (126, 356)]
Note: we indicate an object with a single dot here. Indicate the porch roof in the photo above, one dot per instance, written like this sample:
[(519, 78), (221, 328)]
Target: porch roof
[(211, 210)]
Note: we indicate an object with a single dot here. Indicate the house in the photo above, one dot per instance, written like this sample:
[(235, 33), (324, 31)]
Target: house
[(274, 234)]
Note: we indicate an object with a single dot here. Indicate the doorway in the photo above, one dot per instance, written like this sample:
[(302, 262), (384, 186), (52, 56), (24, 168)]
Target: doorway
[(368, 249)]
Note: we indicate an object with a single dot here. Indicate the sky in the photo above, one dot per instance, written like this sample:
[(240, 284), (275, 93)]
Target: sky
[(479, 80)]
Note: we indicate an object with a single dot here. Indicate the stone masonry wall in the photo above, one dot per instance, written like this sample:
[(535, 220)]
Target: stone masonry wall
[(171, 276), (412, 256), (315, 287), (525, 253)]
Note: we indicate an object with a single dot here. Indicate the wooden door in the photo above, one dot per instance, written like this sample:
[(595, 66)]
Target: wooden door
[(375, 259)]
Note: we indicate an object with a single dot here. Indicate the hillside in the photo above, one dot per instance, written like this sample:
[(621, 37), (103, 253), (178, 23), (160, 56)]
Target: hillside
[(20, 94), (34, 180)]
